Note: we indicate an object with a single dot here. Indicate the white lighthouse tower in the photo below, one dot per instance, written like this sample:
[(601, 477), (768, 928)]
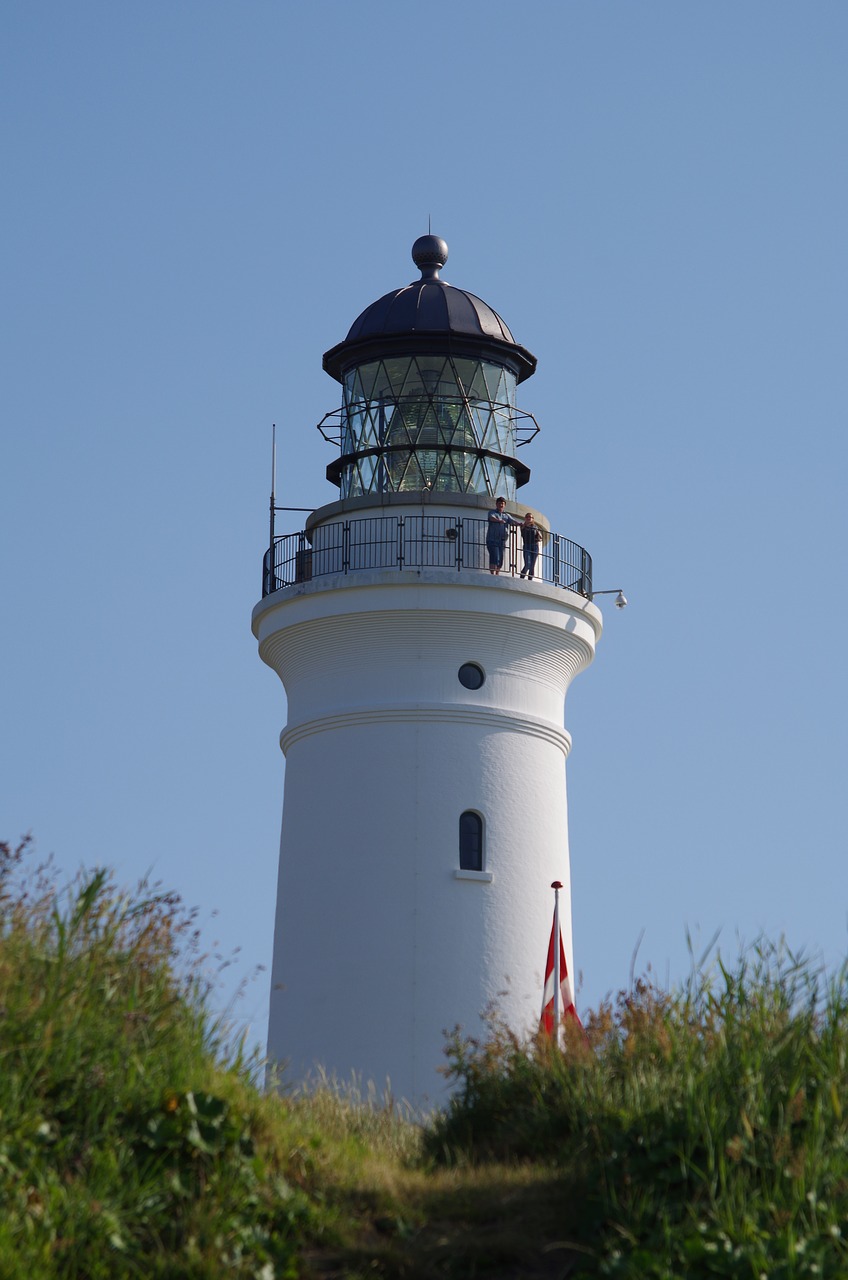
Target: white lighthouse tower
[(424, 814)]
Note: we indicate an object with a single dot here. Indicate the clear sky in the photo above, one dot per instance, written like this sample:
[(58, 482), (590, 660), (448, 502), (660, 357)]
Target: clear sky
[(199, 198)]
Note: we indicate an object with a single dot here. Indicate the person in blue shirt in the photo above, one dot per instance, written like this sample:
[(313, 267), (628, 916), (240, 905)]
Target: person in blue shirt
[(498, 524)]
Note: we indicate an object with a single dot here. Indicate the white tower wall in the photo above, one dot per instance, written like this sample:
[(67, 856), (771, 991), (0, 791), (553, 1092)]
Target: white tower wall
[(381, 943)]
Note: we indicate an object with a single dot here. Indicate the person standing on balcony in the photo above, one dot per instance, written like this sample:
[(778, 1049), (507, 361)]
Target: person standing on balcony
[(499, 521), (531, 538)]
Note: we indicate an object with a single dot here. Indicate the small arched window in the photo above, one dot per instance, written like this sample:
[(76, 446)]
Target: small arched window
[(470, 841)]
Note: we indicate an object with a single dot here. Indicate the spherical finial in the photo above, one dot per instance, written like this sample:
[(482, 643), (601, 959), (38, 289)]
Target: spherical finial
[(429, 253)]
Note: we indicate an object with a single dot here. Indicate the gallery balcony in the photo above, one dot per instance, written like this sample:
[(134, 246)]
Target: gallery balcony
[(410, 542)]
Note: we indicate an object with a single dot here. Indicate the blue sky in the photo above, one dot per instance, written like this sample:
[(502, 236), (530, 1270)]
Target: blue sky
[(200, 198)]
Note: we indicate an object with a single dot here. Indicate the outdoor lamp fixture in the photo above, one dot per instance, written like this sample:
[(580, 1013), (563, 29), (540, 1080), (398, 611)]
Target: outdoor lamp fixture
[(620, 597)]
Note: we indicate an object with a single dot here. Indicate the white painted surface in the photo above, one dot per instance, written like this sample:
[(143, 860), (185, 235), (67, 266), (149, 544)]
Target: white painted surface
[(379, 946)]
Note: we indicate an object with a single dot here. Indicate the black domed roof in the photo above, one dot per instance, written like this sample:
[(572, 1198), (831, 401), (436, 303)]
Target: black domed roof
[(426, 315)]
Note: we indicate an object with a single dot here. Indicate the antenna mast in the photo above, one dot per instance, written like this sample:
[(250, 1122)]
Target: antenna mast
[(273, 489)]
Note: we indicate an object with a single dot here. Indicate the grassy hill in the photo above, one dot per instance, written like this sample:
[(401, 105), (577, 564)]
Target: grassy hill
[(701, 1132)]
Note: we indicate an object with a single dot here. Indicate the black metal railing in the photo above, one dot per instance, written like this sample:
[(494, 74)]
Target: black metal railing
[(417, 542)]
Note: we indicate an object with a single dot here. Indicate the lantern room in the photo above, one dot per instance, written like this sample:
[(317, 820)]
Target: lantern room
[(429, 375)]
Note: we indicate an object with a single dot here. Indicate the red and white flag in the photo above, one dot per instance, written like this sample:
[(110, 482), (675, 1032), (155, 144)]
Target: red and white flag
[(557, 997)]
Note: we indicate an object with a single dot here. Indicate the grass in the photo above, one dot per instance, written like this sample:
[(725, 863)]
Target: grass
[(700, 1133)]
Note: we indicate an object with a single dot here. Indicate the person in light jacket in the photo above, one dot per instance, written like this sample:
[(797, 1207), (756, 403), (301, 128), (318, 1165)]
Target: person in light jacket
[(531, 538)]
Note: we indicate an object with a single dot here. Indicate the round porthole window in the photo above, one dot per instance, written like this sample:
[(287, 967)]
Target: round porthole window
[(471, 676)]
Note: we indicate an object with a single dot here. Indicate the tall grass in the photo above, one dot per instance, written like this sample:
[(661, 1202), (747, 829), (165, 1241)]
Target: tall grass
[(126, 1149), (357, 1113), (698, 1133)]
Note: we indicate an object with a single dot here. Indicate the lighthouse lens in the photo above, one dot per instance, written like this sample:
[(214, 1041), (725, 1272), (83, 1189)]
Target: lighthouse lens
[(444, 424), (471, 676)]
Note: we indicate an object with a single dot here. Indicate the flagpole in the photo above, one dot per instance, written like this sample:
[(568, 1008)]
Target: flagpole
[(556, 886)]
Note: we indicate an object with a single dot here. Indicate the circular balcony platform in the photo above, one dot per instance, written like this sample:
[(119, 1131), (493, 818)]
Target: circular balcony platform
[(455, 544)]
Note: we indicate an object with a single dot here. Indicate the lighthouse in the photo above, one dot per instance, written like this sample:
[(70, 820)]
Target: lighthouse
[(425, 662)]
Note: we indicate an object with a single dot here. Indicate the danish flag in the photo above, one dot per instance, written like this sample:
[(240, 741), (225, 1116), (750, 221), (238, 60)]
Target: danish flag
[(557, 997)]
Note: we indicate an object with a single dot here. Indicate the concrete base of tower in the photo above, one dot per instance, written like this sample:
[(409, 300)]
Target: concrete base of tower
[(383, 942)]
